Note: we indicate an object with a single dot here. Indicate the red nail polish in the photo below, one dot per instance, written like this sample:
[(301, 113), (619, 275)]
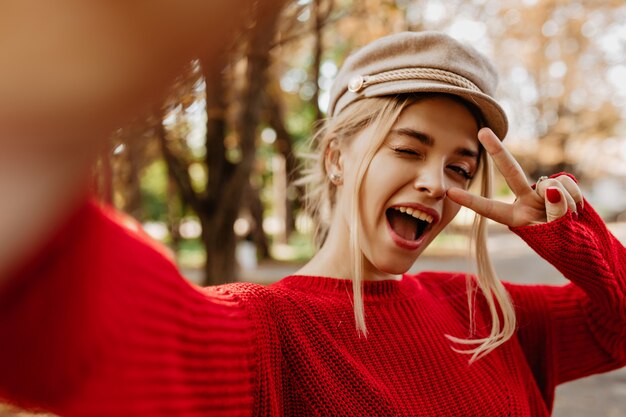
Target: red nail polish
[(553, 195)]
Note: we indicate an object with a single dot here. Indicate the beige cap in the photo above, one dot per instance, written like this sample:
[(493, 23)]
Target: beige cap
[(411, 62)]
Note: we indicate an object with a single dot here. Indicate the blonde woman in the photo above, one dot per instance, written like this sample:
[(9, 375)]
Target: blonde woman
[(99, 323)]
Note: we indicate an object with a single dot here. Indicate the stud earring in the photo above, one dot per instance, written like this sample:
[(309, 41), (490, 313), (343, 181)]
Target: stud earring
[(334, 178)]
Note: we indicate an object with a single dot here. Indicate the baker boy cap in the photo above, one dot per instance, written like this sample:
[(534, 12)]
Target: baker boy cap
[(416, 62)]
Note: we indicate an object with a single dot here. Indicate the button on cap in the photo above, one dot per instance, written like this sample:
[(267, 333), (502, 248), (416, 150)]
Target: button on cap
[(355, 83)]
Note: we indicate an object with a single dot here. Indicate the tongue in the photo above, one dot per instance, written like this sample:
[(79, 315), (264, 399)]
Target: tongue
[(404, 225)]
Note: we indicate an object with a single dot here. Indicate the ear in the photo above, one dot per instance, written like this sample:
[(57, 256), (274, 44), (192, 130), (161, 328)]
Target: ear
[(333, 162)]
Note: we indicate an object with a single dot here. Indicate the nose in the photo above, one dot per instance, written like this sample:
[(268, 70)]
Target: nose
[(432, 182)]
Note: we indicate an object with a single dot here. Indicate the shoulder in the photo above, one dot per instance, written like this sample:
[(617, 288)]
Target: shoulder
[(245, 292), (261, 303)]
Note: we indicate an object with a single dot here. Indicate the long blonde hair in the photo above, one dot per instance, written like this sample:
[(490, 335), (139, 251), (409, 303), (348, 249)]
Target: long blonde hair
[(381, 113)]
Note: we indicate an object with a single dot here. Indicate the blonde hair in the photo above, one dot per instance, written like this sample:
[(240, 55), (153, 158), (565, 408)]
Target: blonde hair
[(381, 113)]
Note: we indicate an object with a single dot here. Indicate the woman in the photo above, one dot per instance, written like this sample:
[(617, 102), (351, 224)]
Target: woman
[(411, 121)]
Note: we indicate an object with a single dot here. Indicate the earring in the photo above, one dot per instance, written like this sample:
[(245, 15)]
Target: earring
[(334, 178)]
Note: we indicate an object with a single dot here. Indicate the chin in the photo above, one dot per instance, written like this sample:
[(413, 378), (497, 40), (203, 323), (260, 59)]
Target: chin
[(395, 268)]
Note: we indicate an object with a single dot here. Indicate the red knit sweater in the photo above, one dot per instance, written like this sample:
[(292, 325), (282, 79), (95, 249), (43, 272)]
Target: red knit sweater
[(103, 324)]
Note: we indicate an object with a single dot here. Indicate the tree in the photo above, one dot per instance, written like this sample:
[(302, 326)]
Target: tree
[(218, 204)]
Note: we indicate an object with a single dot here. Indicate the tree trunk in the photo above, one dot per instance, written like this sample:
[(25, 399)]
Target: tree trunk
[(317, 55), (217, 214), (174, 212), (256, 211), (220, 244)]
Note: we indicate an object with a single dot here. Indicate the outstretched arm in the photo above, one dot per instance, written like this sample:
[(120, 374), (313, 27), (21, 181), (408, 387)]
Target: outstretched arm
[(92, 321), (102, 324)]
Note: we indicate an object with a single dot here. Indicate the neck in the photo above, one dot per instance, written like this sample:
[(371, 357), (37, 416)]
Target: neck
[(334, 259)]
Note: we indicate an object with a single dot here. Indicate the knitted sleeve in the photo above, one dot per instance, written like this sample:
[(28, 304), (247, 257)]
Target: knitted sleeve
[(575, 330), (101, 323)]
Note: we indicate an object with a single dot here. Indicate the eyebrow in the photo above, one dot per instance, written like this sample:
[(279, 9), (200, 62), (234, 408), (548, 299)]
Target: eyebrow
[(430, 141)]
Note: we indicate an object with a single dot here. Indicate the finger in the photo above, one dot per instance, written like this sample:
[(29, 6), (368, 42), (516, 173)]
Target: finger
[(556, 205), (492, 209), (553, 183), (506, 164), (572, 189)]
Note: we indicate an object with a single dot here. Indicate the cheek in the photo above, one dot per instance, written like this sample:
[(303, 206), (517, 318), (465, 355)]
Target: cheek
[(450, 209), (375, 185)]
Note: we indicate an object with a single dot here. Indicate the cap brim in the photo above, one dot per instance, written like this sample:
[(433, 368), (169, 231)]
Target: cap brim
[(494, 116)]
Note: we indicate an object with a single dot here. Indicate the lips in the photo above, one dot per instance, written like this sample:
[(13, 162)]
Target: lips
[(408, 224)]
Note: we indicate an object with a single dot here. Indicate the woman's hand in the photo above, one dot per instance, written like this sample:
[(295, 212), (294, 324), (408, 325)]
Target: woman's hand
[(551, 199)]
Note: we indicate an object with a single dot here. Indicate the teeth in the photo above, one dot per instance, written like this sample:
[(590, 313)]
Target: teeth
[(418, 214)]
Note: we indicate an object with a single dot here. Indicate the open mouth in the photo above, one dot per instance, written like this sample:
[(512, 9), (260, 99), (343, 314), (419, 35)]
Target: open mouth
[(408, 224)]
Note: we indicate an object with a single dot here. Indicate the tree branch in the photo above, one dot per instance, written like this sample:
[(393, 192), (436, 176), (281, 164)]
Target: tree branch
[(177, 169)]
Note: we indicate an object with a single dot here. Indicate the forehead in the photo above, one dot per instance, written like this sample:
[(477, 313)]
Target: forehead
[(444, 119)]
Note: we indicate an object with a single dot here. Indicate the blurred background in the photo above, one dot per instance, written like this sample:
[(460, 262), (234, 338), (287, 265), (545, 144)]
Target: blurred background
[(211, 172)]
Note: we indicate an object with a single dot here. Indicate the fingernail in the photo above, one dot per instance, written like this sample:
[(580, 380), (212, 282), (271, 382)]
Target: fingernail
[(553, 195)]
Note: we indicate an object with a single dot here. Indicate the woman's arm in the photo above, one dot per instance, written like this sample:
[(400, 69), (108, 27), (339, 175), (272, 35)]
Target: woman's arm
[(101, 323), (569, 332), (578, 329), (587, 318)]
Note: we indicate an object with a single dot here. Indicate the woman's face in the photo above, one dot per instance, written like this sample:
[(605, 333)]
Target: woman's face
[(433, 146)]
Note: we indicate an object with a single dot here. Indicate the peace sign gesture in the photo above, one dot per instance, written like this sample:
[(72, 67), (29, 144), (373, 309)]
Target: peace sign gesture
[(551, 199)]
